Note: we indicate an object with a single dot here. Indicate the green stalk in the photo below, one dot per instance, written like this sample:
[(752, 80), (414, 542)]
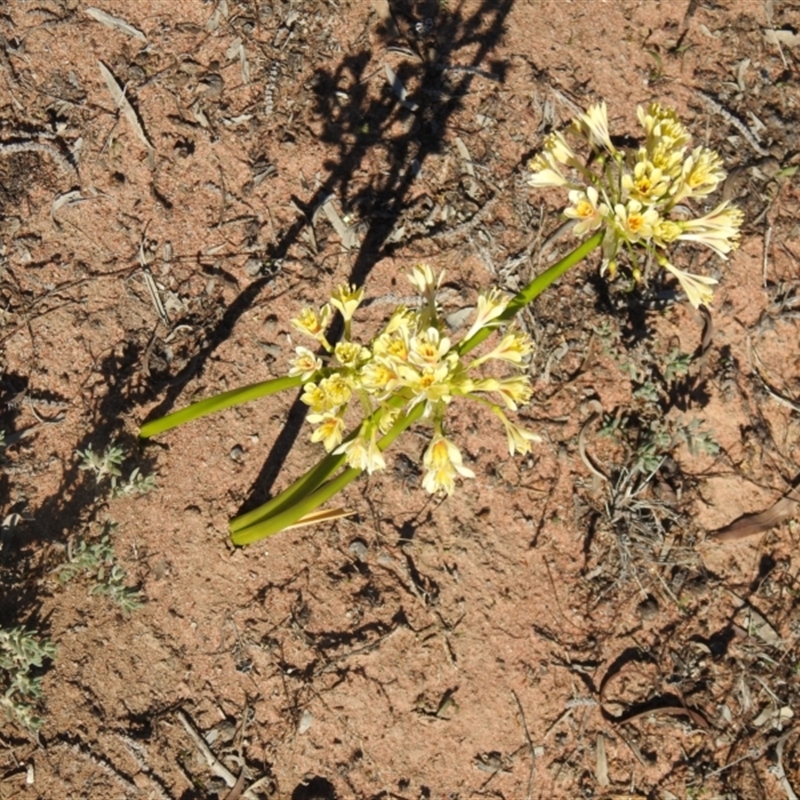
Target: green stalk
[(302, 487), (285, 509), (234, 397), (534, 289), (241, 535)]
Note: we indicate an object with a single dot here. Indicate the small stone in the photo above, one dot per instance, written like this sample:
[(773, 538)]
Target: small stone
[(648, 608), (358, 549)]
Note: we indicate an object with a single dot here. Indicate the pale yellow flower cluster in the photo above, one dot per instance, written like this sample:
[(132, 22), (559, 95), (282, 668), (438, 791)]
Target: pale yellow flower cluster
[(640, 197), (411, 361)]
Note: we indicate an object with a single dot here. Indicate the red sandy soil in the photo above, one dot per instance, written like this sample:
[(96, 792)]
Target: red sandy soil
[(543, 633)]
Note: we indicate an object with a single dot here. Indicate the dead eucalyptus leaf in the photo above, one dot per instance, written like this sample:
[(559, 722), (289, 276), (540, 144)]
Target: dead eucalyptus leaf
[(399, 89), (118, 95), (116, 23), (64, 199), (466, 158), (782, 37), (601, 768), (752, 524), (316, 517), (220, 14), (780, 772), (346, 232)]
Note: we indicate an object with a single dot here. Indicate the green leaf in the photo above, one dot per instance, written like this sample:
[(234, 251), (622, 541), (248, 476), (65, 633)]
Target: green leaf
[(218, 402)]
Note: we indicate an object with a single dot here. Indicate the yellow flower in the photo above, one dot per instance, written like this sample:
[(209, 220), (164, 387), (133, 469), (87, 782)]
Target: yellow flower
[(388, 418), (346, 299), (491, 305), (330, 393), (443, 461), (337, 390), (545, 172), (586, 209), (401, 321), (663, 127), (379, 377), (519, 440), (719, 229), (697, 287), (594, 125), (313, 324), (703, 171), (314, 397), (515, 391), (423, 279), (330, 430), (666, 232), (514, 348), (350, 354), (305, 363), (557, 146), (665, 157), (430, 384), (362, 453), (647, 183), (634, 221), (428, 348)]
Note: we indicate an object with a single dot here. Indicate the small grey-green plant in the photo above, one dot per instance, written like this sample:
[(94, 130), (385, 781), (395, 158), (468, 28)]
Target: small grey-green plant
[(107, 469), (98, 561), (677, 365), (697, 440), (136, 483), (112, 584), (21, 654), (102, 466)]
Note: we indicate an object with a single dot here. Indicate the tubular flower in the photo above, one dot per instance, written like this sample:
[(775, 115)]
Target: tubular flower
[(514, 348), (363, 454), (305, 363), (313, 324), (443, 463), (594, 123), (639, 197), (545, 172), (346, 299), (586, 209), (519, 440), (697, 287), (411, 362), (558, 147), (719, 229), (491, 305)]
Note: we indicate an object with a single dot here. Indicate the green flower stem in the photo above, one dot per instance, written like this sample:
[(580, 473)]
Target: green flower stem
[(310, 491), (217, 403), (534, 289), (308, 483), (241, 535), (293, 496)]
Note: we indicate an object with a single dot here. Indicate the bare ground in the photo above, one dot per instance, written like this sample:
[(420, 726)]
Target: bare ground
[(566, 625)]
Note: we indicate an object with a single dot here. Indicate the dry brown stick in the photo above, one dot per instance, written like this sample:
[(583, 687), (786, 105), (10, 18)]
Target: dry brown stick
[(235, 784), (531, 748)]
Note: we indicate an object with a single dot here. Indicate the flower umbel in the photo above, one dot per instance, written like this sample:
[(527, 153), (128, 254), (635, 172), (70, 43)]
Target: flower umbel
[(412, 362), (640, 197)]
